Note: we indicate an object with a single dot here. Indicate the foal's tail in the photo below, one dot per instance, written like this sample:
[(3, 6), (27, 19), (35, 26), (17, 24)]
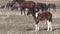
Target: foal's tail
[(50, 18)]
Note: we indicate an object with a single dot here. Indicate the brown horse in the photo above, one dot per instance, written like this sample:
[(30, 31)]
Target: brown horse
[(19, 1), (53, 6), (15, 6), (2, 6), (41, 6), (40, 17), (24, 4), (9, 5)]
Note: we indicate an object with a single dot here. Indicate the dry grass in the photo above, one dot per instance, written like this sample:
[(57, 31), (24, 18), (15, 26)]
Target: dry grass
[(22, 24)]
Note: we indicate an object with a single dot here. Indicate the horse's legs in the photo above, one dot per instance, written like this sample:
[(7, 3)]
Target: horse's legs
[(36, 22), (49, 25), (54, 8), (48, 9), (36, 27), (21, 10), (51, 10), (24, 11), (37, 9)]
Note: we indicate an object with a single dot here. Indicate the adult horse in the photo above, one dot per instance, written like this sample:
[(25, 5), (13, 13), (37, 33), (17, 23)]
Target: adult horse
[(12, 3), (2, 6), (15, 6), (19, 1), (27, 4), (24, 4), (9, 5), (40, 17), (41, 6), (51, 6)]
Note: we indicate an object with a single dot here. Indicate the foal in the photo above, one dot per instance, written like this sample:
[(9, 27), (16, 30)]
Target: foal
[(40, 17)]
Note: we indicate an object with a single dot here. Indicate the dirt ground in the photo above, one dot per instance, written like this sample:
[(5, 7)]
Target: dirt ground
[(23, 24)]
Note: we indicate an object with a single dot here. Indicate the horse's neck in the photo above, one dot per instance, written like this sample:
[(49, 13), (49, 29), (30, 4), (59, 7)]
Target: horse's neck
[(13, 2), (21, 1), (34, 15)]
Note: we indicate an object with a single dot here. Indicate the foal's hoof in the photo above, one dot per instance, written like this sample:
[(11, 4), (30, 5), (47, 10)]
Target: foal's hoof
[(50, 30), (47, 30)]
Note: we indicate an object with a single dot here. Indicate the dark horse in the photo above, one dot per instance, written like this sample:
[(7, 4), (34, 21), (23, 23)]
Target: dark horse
[(41, 6), (24, 4), (15, 6), (9, 5), (2, 6), (27, 4), (40, 17), (53, 6), (19, 1)]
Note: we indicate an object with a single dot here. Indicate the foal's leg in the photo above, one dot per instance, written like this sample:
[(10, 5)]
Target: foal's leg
[(36, 27), (36, 22), (49, 25)]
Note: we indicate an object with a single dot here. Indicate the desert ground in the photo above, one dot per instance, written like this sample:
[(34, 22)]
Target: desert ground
[(11, 22)]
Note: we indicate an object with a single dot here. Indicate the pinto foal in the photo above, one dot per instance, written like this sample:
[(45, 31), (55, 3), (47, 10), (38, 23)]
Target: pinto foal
[(40, 17)]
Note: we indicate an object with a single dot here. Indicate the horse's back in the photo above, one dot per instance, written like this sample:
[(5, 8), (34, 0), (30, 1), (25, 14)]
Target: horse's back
[(27, 4), (42, 6), (51, 5), (45, 14)]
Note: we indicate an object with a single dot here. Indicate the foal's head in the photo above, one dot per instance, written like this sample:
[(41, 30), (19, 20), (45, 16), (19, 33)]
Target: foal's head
[(31, 11)]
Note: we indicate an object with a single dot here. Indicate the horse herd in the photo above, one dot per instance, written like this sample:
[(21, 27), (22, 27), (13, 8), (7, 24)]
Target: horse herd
[(23, 5), (33, 9)]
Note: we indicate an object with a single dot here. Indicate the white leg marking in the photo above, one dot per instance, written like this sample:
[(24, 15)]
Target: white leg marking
[(36, 14), (23, 12), (49, 26), (48, 9), (36, 27), (51, 10)]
